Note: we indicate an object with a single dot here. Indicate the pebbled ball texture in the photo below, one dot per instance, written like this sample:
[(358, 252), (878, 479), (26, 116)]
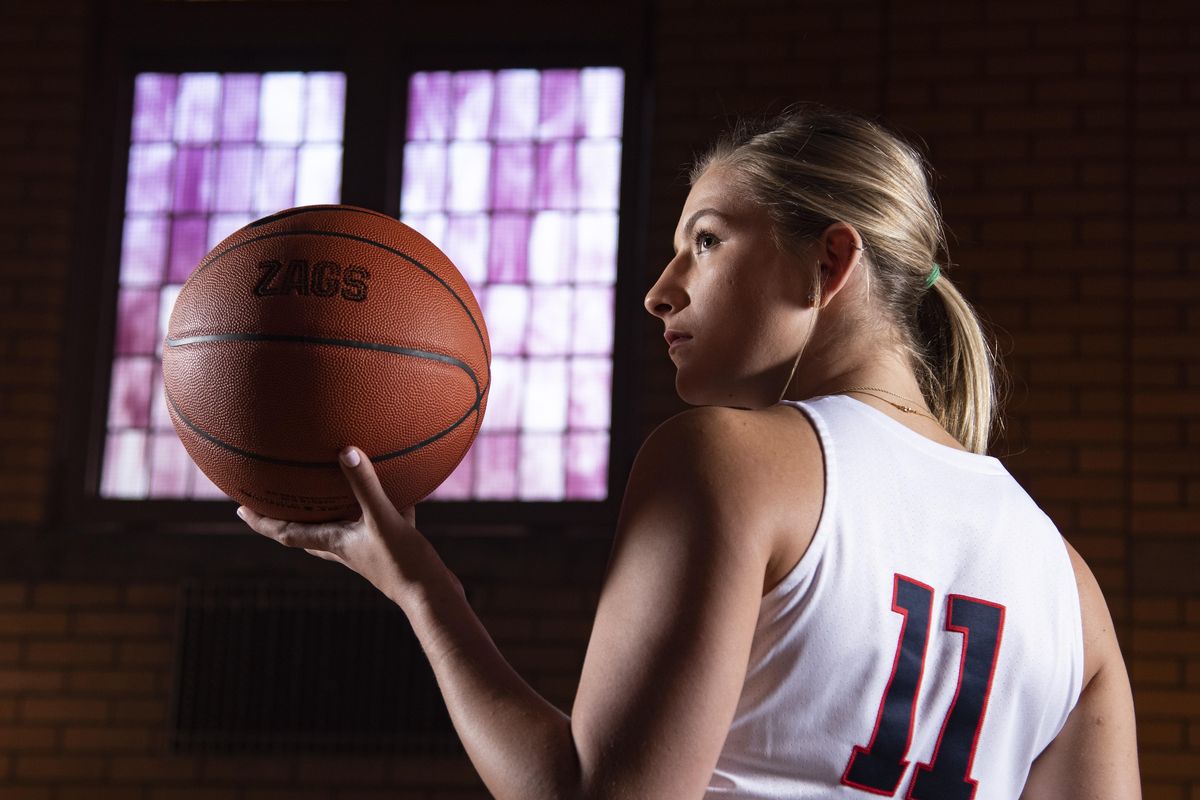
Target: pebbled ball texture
[(316, 328)]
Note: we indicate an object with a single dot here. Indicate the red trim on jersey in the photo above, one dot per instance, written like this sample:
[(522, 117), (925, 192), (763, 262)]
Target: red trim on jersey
[(883, 700), (987, 694)]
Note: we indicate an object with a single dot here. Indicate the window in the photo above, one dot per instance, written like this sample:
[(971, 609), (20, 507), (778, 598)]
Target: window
[(516, 167), (515, 175), (209, 152)]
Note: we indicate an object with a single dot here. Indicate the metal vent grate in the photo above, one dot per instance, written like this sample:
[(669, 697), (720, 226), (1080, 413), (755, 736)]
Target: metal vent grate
[(275, 667)]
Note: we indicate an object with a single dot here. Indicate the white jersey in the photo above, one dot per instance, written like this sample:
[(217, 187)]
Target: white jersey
[(929, 643)]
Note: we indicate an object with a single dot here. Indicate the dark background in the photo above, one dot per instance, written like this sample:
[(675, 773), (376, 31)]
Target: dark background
[(1064, 136)]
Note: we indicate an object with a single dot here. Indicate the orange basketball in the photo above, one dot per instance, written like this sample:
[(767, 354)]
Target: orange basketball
[(316, 328)]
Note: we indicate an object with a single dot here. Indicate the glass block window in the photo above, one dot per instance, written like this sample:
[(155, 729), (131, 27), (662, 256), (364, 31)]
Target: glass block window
[(515, 174), (209, 152)]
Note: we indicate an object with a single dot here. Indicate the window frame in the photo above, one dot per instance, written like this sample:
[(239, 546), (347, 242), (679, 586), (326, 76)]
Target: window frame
[(183, 37)]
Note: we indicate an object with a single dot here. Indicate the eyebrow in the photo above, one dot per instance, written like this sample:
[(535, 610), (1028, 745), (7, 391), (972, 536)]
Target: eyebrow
[(687, 228)]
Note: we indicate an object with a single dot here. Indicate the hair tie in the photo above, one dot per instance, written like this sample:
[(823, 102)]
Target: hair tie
[(933, 276)]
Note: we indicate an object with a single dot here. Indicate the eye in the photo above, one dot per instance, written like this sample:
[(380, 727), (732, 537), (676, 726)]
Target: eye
[(705, 240)]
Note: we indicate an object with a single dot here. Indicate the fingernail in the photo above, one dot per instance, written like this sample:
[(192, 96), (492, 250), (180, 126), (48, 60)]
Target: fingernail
[(241, 512), (350, 457)]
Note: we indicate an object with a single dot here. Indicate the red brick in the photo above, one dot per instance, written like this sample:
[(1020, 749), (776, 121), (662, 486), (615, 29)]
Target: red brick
[(154, 769), (128, 623), (46, 709), (70, 652), (17, 680), (75, 594), (36, 623), (113, 681), (60, 768), (108, 739)]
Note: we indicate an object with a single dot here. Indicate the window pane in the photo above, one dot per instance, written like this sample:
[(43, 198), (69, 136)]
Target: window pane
[(515, 174), (198, 171)]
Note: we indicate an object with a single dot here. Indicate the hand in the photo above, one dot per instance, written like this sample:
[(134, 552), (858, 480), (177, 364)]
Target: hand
[(383, 545)]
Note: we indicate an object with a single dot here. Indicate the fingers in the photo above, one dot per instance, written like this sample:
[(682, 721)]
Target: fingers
[(310, 537), (360, 472)]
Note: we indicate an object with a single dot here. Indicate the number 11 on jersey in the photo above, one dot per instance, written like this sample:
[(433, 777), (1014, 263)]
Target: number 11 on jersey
[(880, 766)]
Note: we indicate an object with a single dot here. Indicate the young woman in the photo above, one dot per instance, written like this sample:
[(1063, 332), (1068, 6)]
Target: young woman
[(820, 585)]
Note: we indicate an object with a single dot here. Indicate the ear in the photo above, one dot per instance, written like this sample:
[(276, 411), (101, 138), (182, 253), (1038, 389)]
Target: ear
[(840, 251)]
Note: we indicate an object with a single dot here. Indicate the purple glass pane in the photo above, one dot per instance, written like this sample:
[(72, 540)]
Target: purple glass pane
[(424, 185), (496, 466), (429, 106), (151, 170), (598, 163), (587, 466), (189, 245), (326, 102), (591, 394), (124, 474), (555, 183), (602, 93), (196, 107), (170, 466), (595, 247), (160, 419), (545, 395), (129, 392), (506, 395), (276, 184), (235, 177), (153, 107), (193, 179), (166, 303), (202, 487), (457, 485), (507, 315), (472, 104), (221, 225), (467, 246), (143, 250), (319, 174), (516, 107), (239, 107), (281, 108), (559, 117), (592, 320), (510, 244), (512, 177), (549, 321), (541, 473), (469, 176), (137, 322), (550, 248)]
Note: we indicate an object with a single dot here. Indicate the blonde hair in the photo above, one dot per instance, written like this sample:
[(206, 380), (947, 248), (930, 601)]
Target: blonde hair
[(812, 166)]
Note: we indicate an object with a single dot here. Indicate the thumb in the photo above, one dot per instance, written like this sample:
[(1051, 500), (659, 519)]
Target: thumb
[(365, 484)]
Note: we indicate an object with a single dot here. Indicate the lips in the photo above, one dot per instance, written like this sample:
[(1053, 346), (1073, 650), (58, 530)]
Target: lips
[(675, 336)]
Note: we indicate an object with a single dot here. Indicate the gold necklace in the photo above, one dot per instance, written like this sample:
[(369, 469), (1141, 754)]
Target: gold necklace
[(871, 389)]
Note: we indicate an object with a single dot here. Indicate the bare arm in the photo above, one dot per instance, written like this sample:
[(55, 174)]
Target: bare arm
[(668, 652), (1094, 757)]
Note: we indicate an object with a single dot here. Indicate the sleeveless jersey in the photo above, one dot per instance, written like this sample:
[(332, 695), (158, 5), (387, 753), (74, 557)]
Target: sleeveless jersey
[(928, 644)]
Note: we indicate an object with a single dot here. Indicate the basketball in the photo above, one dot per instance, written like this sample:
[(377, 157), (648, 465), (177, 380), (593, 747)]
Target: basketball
[(316, 328)]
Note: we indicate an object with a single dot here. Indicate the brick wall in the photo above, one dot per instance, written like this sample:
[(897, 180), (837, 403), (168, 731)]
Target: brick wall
[(1063, 134)]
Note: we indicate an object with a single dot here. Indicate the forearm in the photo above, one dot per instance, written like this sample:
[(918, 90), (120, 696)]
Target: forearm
[(520, 744)]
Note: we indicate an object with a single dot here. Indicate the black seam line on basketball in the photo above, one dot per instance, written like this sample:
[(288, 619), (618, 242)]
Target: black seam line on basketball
[(312, 464), (284, 337), (311, 209), (205, 264)]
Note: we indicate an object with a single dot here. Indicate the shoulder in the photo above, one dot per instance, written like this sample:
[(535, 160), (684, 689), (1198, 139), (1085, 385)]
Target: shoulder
[(1100, 645), (761, 467), (737, 444)]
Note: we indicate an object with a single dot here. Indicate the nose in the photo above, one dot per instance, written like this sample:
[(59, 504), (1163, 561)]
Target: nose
[(666, 296)]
